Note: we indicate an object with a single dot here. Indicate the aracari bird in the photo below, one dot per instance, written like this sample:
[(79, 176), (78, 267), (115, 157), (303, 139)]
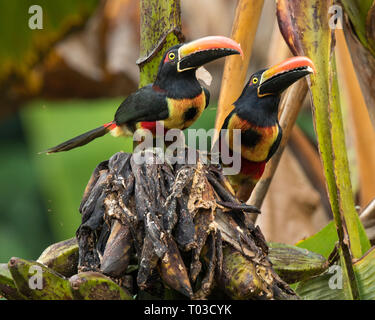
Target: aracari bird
[(255, 114), (176, 98)]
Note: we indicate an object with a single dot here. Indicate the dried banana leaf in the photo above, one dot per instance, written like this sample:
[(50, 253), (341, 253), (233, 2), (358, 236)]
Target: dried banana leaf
[(117, 252), (173, 270), (170, 213)]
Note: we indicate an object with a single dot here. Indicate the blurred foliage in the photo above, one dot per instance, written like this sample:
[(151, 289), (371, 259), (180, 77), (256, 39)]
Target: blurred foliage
[(305, 122), (21, 46), (63, 177), (358, 12), (24, 228)]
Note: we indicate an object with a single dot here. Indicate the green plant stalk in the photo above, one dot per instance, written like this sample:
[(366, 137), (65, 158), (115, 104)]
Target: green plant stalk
[(345, 211), (160, 29), (317, 42), (331, 137), (348, 273)]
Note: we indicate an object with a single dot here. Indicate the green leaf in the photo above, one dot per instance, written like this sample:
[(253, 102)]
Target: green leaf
[(324, 241), (329, 286), (364, 269)]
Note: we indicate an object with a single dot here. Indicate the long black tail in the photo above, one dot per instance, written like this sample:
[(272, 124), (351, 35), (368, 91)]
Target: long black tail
[(80, 140)]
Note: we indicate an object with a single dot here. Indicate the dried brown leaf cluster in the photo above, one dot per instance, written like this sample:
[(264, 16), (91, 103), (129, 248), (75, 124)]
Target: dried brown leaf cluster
[(180, 225)]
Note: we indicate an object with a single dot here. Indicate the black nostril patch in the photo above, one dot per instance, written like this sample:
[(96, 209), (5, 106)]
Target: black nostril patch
[(190, 114)]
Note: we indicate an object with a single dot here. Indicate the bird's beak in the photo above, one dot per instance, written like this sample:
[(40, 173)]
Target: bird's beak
[(201, 51), (279, 77)]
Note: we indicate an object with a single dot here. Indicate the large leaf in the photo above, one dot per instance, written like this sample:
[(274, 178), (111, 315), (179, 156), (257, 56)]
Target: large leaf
[(305, 27), (324, 241), (362, 130), (328, 285)]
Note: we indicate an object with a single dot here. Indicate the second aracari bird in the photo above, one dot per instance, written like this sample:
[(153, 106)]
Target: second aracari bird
[(176, 97), (255, 114)]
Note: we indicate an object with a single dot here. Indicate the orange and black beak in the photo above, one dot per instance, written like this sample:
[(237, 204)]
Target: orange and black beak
[(279, 77), (201, 51)]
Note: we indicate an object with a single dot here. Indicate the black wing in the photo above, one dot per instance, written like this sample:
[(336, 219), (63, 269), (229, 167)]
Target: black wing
[(146, 104), (275, 144)]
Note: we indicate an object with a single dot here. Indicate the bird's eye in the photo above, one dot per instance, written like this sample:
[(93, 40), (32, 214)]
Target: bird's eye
[(171, 56), (255, 80)]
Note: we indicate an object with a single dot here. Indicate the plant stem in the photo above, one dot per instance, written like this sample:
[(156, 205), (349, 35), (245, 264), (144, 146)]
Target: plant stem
[(245, 25), (160, 29)]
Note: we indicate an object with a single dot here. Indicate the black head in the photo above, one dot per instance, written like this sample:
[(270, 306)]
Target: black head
[(181, 61), (263, 90), (168, 63)]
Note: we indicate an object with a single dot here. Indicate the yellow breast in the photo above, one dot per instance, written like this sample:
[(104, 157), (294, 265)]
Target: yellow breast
[(179, 108), (259, 152)]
